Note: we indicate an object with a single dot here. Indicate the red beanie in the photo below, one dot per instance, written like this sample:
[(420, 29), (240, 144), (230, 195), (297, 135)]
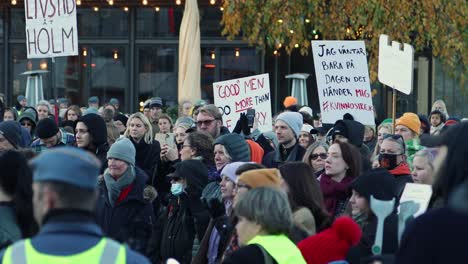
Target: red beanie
[(332, 244), (256, 151)]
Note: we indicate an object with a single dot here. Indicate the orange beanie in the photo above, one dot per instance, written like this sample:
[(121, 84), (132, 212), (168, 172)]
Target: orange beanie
[(289, 101), (410, 120), (261, 178), (256, 151)]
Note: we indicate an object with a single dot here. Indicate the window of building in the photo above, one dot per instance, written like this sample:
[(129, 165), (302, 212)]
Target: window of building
[(450, 90), (106, 22), (163, 23)]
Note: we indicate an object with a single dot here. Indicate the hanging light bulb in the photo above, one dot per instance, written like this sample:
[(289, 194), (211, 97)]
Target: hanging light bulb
[(280, 45), (307, 20), (78, 2), (237, 53), (275, 52), (280, 21), (316, 36), (213, 55), (296, 45), (43, 65), (116, 55), (125, 8), (157, 9), (96, 9), (111, 2), (221, 9), (85, 52), (178, 2), (13, 2), (291, 31), (212, 2), (145, 2)]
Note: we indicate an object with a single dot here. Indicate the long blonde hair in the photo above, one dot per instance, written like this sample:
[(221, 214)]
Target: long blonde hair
[(148, 138)]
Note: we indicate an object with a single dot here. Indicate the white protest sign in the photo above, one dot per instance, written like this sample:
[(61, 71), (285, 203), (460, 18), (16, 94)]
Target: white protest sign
[(343, 80), (236, 96), (395, 65), (51, 28), (418, 193)]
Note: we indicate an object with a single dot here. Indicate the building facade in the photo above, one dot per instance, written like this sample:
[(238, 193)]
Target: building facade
[(131, 53)]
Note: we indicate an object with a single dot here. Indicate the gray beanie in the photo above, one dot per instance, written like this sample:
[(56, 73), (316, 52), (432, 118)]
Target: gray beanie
[(293, 120), (123, 149), (235, 146), (11, 130)]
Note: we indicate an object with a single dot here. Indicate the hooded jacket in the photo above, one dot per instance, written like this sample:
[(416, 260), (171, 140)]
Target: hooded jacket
[(130, 220), (98, 130), (354, 132), (185, 217)]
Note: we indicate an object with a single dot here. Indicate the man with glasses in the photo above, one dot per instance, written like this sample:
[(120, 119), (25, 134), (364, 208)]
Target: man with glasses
[(209, 120), (392, 157)]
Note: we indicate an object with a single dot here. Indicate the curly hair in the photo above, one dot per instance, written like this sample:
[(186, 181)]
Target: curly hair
[(202, 144)]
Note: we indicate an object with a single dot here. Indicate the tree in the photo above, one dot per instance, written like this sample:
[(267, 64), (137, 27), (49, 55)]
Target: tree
[(437, 25)]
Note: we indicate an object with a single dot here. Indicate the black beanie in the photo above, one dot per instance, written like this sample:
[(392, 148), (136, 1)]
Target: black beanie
[(46, 128), (121, 118), (96, 127), (235, 145), (11, 130), (377, 182)]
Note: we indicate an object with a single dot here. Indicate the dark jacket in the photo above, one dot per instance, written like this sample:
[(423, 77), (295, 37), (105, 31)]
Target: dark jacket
[(250, 254), (184, 218), (274, 160), (364, 248), (402, 176), (130, 220), (354, 132), (69, 232), (9, 229), (98, 130), (147, 157)]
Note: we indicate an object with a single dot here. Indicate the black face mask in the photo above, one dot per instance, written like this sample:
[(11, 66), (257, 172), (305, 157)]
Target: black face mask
[(388, 161)]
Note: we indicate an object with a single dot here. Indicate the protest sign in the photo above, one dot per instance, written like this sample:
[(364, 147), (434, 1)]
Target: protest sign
[(343, 80), (50, 28), (418, 193), (236, 96)]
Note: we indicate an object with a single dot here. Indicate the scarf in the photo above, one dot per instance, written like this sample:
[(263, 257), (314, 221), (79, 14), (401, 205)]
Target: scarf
[(402, 169), (115, 187), (334, 192)]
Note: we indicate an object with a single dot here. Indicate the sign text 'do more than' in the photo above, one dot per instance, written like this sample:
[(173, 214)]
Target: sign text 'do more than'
[(51, 28), (233, 97)]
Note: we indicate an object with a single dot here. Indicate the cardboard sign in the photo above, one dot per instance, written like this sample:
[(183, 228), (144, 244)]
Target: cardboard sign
[(343, 80), (50, 28), (395, 65), (236, 96), (418, 193)]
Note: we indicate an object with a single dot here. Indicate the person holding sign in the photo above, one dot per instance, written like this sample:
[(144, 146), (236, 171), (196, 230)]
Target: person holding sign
[(287, 127), (209, 120)]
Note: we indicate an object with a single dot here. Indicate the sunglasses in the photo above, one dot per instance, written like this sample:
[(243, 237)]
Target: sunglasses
[(396, 137), (316, 156), (205, 122)]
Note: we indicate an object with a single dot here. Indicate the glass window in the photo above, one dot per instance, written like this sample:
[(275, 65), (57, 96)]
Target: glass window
[(450, 90), (163, 23), (70, 78), (108, 73), (209, 60), (18, 24), (19, 76), (1, 24), (157, 73), (210, 18), (105, 22)]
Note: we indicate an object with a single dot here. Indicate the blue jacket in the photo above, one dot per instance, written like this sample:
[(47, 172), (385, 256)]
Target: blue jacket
[(129, 221), (68, 232)]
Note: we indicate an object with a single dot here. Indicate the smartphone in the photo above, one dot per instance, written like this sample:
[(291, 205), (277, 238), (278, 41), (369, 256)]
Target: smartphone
[(250, 117)]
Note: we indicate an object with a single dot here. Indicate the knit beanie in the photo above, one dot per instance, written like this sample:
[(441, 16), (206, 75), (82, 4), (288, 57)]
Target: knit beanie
[(289, 101), (155, 102), (46, 128), (123, 149), (261, 178), (387, 121), (93, 100), (235, 146), (331, 244), (410, 120), (230, 170), (96, 127), (256, 151), (307, 110), (366, 184), (20, 98), (293, 120), (306, 128), (121, 118), (11, 130)]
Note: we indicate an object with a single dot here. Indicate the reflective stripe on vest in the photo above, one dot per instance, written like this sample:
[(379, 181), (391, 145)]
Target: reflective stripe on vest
[(106, 251), (283, 250)]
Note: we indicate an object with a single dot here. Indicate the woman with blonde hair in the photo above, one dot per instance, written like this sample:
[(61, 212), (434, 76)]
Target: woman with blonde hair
[(140, 132), (382, 130)]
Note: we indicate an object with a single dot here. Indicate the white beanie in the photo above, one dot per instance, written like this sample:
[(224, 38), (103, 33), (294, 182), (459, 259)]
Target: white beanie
[(306, 128), (293, 120), (306, 109)]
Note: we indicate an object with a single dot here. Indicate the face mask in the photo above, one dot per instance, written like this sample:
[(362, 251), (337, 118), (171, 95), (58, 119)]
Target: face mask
[(388, 161), (177, 189)]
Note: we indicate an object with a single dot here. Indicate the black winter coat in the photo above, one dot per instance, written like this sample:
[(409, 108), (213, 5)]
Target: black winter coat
[(273, 159), (147, 157), (129, 221)]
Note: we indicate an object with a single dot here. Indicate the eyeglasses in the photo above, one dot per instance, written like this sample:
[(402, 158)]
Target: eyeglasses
[(205, 122), (316, 156)]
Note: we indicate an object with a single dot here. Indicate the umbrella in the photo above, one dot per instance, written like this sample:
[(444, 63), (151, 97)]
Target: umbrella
[(189, 54)]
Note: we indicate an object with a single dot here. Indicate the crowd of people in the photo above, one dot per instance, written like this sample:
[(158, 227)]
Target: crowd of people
[(78, 184)]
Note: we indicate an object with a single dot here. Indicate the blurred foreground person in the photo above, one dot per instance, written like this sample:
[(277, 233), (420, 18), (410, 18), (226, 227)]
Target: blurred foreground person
[(65, 181)]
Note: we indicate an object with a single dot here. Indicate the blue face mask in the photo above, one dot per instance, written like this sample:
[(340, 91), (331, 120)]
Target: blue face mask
[(177, 189)]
